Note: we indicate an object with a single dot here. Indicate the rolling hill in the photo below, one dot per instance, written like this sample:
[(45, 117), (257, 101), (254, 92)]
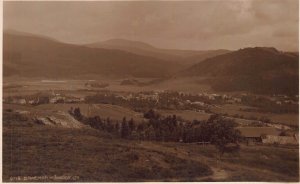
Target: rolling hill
[(258, 70), (184, 57), (28, 55)]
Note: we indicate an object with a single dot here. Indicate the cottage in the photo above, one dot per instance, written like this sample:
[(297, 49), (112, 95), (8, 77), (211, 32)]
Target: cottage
[(211, 97), (72, 100), (19, 101), (188, 101), (256, 134), (198, 103), (32, 102), (57, 99), (224, 97), (271, 139), (237, 100)]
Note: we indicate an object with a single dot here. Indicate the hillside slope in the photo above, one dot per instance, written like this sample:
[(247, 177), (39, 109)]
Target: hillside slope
[(259, 70), (35, 56), (184, 57)]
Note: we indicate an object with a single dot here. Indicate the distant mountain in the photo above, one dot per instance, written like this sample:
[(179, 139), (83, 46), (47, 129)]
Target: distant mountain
[(29, 55), (184, 57), (201, 56), (258, 70)]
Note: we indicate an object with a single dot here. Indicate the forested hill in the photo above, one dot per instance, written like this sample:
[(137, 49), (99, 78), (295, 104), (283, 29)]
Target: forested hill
[(258, 69)]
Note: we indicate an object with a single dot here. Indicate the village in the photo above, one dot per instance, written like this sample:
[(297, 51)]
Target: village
[(259, 130)]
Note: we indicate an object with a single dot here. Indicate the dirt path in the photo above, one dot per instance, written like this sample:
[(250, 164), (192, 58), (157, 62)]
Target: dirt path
[(222, 171), (219, 174)]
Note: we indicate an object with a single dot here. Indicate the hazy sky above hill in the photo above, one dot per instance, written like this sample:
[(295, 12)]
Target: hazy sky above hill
[(214, 24)]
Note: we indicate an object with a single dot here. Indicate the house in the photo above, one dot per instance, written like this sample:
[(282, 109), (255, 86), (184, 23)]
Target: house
[(257, 134), (32, 102), (73, 100), (211, 97), (19, 101), (57, 99), (231, 101), (22, 112), (201, 111), (237, 100), (273, 139), (198, 103), (224, 97)]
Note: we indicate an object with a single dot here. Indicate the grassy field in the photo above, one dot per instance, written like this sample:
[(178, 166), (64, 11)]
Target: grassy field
[(30, 86), (186, 114), (91, 155), (114, 112), (189, 84), (288, 118), (193, 115)]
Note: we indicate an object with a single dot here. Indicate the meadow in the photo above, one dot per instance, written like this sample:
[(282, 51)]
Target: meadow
[(90, 155), (114, 112), (233, 109)]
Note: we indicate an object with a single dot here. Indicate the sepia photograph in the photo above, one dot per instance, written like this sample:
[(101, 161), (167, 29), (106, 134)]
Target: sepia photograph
[(150, 91)]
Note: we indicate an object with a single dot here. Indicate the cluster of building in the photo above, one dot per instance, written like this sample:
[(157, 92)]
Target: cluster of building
[(268, 135), (156, 95), (140, 96), (284, 99), (43, 99)]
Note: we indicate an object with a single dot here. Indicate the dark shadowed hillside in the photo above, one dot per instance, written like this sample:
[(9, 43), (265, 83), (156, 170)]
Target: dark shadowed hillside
[(259, 70), (28, 55), (184, 57)]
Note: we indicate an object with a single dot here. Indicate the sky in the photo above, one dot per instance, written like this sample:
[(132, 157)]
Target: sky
[(195, 25)]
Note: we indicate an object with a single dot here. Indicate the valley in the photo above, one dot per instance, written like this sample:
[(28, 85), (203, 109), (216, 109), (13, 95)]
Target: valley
[(39, 125), (125, 111)]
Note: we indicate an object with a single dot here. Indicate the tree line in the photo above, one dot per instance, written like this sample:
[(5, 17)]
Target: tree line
[(217, 130)]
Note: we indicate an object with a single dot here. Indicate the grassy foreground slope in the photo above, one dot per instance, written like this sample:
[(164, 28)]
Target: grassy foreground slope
[(90, 155), (37, 150)]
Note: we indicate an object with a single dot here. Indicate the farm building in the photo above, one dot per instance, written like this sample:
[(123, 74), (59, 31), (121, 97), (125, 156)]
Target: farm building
[(271, 139), (256, 134), (73, 100), (198, 103), (19, 101), (57, 99)]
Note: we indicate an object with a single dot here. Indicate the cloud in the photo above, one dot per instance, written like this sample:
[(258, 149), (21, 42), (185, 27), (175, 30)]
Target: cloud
[(215, 24)]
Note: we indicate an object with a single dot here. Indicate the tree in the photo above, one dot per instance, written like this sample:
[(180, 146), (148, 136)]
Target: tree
[(124, 129), (224, 135), (151, 114), (77, 113), (71, 111), (131, 125), (109, 125), (117, 127), (95, 122)]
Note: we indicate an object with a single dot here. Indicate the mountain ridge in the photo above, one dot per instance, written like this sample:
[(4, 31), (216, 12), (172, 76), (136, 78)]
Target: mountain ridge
[(186, 57), (27, 55)]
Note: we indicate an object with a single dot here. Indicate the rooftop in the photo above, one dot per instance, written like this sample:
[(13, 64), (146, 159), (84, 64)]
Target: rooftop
[(258, 131)]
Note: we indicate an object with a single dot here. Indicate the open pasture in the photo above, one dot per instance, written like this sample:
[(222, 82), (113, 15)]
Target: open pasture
[(286, 118), (114, 112)]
